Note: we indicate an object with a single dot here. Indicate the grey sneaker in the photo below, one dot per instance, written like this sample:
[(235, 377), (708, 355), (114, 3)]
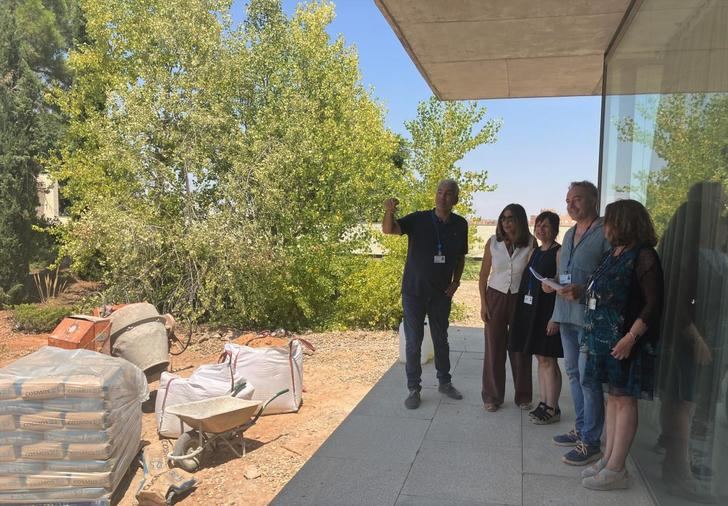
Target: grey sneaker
[(450, 391), (607, 480), (582, 455), (413, 400), (594, 469)]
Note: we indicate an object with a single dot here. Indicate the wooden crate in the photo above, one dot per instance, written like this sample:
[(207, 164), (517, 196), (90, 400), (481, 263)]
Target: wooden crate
[(80, 332)]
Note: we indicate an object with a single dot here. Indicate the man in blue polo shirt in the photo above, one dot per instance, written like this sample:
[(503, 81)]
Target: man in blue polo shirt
[(436, 248)]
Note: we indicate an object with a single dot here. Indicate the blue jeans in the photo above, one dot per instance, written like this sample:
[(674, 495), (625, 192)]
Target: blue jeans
[(437, 309), (588, 403)]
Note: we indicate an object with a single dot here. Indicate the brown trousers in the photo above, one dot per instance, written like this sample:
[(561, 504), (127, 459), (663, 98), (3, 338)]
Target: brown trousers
[(501, 307)]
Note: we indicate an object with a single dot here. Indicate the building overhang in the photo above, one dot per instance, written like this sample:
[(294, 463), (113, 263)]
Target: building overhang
[(478, 49)]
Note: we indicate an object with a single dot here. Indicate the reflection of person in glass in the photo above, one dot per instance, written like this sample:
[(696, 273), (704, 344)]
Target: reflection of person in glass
[(624, 304), (696, 279)]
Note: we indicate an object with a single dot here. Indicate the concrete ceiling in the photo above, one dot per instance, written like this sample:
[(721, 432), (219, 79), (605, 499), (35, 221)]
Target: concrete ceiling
[(476, 49)]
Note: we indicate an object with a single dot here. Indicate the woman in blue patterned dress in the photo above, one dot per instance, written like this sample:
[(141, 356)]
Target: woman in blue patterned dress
[(624, 304)]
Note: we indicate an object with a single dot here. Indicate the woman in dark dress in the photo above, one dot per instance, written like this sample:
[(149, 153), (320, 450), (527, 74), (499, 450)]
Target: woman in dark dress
[(531, 330), (624, 305)]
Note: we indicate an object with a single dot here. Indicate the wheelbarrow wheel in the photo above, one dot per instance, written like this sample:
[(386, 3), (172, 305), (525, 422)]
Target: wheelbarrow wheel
[(187, 443)]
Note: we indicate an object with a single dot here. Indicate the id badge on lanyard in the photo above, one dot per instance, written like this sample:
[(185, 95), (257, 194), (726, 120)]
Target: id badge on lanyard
[(439, 258), (564, 279), (591, 299)]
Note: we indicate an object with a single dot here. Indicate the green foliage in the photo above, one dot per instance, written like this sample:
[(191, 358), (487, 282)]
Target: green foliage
[(370, 298), (34, 36), (472, 269), (12, 296), (39, 317), (441, 135)]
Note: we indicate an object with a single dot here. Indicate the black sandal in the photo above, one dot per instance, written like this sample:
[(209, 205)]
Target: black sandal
[(538, 412), (548, 415)]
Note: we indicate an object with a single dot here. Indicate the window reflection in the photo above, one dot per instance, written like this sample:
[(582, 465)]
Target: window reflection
[(666, 144)]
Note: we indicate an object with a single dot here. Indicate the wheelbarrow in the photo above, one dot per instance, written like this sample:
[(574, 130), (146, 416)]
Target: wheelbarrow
[(214, 421)]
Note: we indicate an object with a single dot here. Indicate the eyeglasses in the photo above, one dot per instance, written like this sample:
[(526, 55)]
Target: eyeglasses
[(507, 217)]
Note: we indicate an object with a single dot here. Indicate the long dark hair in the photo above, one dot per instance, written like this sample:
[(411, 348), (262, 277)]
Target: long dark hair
[(523, 236)]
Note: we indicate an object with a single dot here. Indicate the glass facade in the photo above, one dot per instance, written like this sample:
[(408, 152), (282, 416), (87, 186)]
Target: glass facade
[(665, 143)]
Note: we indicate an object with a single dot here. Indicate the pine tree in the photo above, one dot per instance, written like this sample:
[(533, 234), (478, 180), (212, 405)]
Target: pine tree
[(34, 37)]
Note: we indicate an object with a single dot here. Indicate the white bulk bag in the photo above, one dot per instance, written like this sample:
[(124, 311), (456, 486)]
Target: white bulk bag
[(210, 380), (427, 351), (272, 369)]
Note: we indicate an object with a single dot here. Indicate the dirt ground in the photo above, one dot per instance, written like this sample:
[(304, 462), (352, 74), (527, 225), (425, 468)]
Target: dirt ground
[(337, 376)]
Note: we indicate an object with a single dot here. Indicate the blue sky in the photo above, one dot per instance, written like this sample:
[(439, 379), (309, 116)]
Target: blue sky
[(543, 143)]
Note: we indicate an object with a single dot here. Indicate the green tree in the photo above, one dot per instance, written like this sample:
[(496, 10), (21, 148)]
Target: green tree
[(220, 171), (34, 38)]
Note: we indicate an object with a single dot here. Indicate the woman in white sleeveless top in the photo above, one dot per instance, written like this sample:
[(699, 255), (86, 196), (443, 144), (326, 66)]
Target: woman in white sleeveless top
[(504, 260)]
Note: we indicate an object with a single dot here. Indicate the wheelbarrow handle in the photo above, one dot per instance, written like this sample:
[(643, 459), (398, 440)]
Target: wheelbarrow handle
[(265, 405), (284, 391)]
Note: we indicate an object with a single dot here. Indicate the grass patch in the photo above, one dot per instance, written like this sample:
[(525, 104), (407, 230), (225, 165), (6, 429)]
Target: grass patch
[(39, 317), (472, 269)]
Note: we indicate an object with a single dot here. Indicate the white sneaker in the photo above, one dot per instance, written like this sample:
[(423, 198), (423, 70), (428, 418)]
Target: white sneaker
[(607, 480)]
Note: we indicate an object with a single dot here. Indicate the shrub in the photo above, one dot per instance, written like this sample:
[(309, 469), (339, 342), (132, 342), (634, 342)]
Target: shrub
[(12, 296), (39, 317), (371, 297)]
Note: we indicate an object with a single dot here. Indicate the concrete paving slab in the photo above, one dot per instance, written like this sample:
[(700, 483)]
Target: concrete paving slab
[(416, 500), (470, 388), (456, 471), (388, 400), (544, 458), (456, 342), (327, 481), (473, 425), (469, 339), (429, 373), (396, 373), (540, 489), (380, 438), (469, 367)]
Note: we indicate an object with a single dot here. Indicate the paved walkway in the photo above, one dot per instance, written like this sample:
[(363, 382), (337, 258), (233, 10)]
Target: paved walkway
[(446, 452)]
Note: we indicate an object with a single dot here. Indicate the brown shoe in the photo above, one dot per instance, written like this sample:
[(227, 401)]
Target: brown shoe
[(490, 407)]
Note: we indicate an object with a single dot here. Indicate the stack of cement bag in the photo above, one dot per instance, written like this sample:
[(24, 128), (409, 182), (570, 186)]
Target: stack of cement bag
[(70, 425)]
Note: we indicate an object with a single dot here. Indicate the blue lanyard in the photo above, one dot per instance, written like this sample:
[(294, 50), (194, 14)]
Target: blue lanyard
[(574, 247), (437, 233), (608, 262)]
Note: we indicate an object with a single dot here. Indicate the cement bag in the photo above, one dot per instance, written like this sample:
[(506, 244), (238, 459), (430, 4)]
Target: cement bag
[(271, 370), (210, 380)]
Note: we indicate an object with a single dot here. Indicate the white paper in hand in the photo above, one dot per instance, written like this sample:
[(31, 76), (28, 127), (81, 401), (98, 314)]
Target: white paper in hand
[(546, 281)]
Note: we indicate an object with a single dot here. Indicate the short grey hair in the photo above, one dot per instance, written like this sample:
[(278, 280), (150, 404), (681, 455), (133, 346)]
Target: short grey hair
[(452, 184), (591, 190)]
